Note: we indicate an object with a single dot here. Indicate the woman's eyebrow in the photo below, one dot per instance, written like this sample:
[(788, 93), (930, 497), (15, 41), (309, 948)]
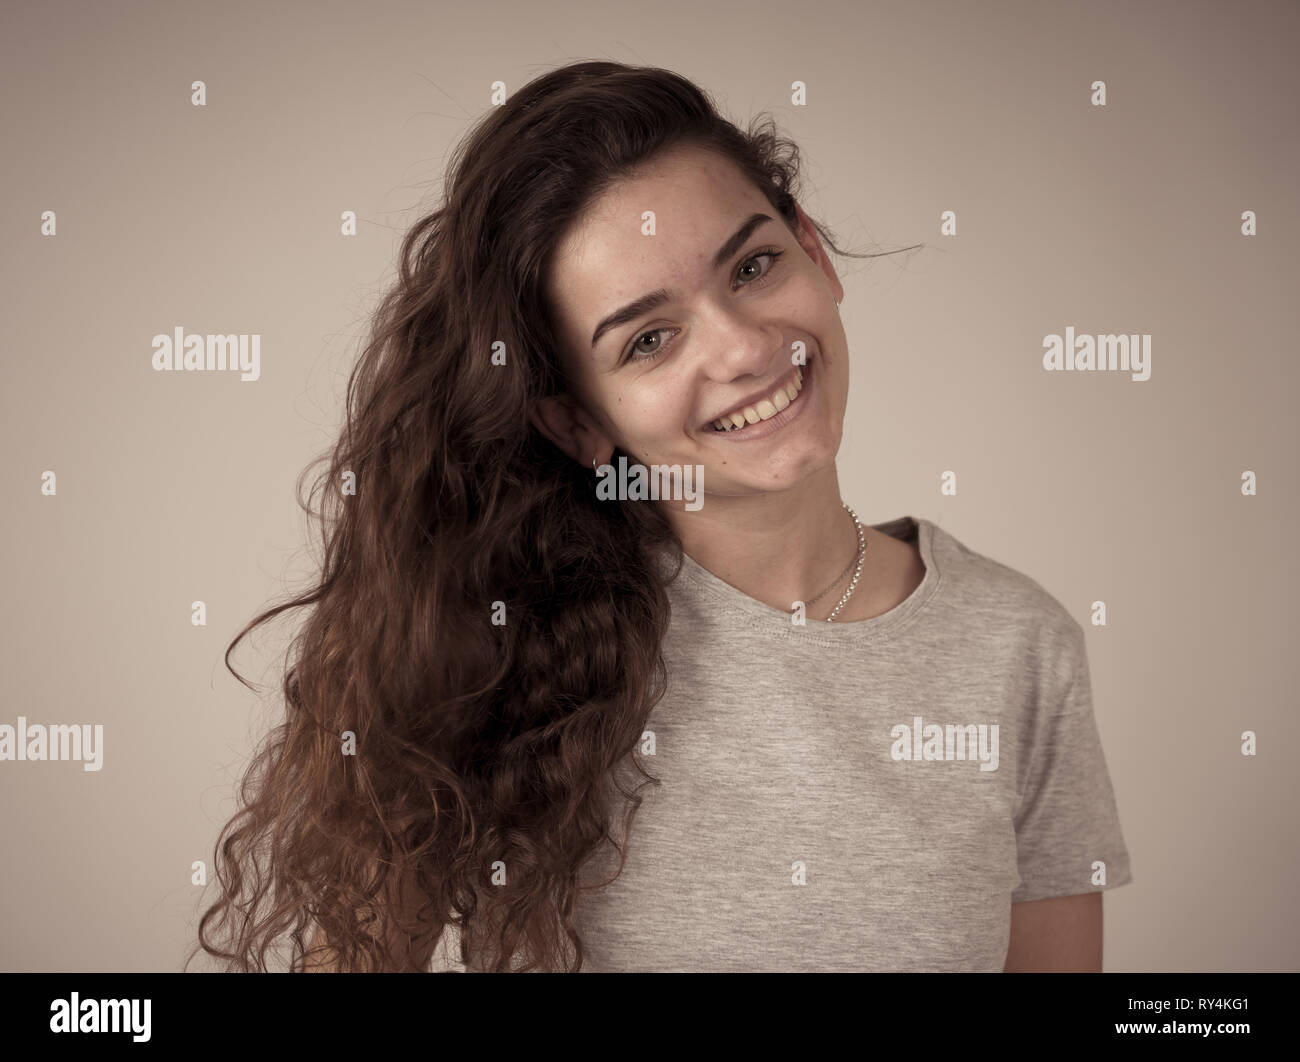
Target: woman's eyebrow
[(650, 300)]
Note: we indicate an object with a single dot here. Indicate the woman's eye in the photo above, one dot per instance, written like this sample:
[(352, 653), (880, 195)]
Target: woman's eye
[(772, 254), (635, 353), (652, 332)]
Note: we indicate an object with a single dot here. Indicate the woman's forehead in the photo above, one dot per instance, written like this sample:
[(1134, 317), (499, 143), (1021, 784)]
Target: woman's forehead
[(674, 215)]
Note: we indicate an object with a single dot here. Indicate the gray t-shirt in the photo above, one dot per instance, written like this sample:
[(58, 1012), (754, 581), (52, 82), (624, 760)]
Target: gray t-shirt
[(865, 796)]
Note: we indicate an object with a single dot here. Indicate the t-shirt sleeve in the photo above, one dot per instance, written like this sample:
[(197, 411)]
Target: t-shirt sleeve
[(1066, 819)]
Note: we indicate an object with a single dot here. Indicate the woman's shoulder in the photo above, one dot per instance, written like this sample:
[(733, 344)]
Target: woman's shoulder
[(982, 594)]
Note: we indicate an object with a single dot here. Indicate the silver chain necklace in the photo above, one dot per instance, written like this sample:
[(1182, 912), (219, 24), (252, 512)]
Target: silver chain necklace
[(862, 551)]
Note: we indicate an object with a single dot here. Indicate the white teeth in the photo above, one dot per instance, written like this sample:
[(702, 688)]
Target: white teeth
[(765, 408)]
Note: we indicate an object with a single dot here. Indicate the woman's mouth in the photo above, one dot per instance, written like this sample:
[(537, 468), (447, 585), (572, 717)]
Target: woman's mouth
[(768, 414)]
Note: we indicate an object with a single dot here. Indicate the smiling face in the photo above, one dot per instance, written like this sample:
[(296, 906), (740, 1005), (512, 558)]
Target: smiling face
[(742, 295)]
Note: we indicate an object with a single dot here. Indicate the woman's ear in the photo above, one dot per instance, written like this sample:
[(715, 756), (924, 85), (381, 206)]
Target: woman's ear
[(812, 244), (563, 420)]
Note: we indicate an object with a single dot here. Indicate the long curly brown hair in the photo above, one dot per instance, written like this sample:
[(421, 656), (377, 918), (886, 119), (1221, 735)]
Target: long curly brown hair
[(424, 745)]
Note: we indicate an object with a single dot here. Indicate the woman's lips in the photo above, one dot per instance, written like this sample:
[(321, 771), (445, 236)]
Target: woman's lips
[(774, 423)]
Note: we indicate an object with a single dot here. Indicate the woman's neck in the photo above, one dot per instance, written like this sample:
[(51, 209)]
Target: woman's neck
[(778, 547)]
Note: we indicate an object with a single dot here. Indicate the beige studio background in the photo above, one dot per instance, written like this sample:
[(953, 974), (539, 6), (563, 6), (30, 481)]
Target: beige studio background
[(1123, 218)]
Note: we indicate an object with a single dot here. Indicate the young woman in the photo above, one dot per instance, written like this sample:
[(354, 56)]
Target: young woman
[(539, 720)]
